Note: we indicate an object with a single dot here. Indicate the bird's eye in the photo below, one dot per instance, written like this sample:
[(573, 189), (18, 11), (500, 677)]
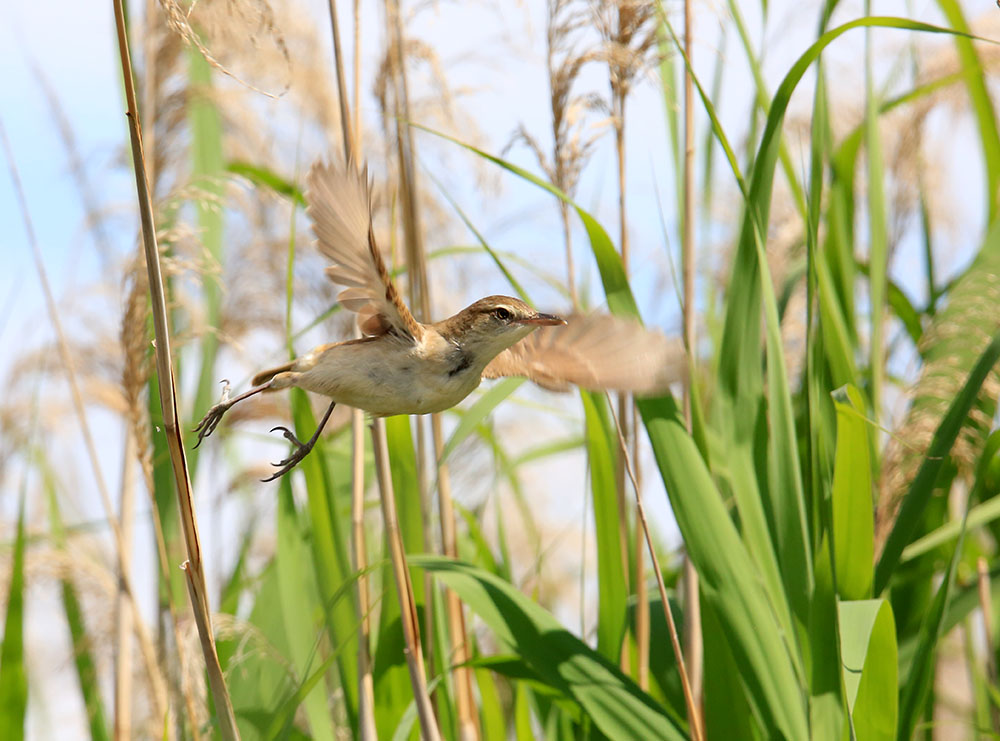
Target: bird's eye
[(502, 314)]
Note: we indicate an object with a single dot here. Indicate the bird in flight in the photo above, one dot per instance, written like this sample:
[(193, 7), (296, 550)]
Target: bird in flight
[(401, 366)]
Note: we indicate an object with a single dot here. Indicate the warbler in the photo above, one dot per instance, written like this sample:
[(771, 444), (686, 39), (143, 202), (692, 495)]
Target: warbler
[(401, 366)]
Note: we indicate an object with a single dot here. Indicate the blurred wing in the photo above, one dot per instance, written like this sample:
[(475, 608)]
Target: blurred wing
[(595, 352), (339, 201)]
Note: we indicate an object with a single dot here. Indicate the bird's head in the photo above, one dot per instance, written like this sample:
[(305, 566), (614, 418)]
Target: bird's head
[(492, 324)]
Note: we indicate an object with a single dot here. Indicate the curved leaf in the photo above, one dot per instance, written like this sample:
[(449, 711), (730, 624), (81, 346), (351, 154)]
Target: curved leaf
[(612, 701)]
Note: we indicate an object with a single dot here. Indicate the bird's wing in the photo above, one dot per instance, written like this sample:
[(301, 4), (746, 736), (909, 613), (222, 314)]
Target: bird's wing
[(339, 204), (597, 352)]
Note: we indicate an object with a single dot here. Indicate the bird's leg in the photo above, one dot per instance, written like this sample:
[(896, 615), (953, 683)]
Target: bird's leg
[(301, 448), (214, 415)]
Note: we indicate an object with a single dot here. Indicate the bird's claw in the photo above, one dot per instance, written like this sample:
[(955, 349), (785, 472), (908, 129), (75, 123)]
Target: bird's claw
[(298, 454), (211, 420)]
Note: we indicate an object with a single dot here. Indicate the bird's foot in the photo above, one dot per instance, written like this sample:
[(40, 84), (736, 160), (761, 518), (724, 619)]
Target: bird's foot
[(298, 454), (214, 415), (211, 420)]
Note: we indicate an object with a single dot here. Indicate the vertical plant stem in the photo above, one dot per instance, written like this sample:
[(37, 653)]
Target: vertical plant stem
[(123, 628), (468, 726), (694, 717), (345, 119), (193, 568), (642, 618), (366, 689), (156, 680), (986, 605), (468, 720), (568, 241), (356, 128), (878, 247), (623, 399), (404, 587), (352, 153), (692, 616)]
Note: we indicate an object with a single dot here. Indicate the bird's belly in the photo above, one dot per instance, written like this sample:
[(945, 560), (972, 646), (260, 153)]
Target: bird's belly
[(406, 385)]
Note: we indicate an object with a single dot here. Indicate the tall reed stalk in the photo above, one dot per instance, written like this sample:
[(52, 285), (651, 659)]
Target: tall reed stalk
[(193, 567)]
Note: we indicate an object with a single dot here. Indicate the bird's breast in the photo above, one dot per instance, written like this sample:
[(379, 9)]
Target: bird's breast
[(386, 376)]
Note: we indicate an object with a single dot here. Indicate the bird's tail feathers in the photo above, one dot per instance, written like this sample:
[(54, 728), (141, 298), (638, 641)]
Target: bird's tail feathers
[(264, 376)]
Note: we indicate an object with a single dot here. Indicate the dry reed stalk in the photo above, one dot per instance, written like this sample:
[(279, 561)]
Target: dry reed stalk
[(468, 720), (694, 717), (123, 639), (692, 608), (156, 681), (366, 685), (135, 375), (986, 606), (193, 567), (629, 34), (356, 127), (345, 119), (468, 726), (404, 587)]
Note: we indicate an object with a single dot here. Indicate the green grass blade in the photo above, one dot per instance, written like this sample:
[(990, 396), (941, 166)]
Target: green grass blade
[(764, 104), (207, 167), (522, 714), (81, 639), (912, 508), (490, 708), (262, 176), (602, 445), (853, 521), (738, 370), (868, 646), (916, 689), (982, 104), (826, 701), (669, 85), (729, 581), (878, 245), (480, 410), (328, 507), (612, 701), (297, 588), (727, 712), (13, 674)]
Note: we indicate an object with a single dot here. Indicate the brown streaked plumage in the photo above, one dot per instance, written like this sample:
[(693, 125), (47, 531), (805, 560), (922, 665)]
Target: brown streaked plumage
[(401, 366)]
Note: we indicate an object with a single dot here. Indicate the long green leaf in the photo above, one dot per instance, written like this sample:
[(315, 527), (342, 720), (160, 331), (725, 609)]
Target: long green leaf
[(982, 105), (207, 167), (612, 701), (81, 638), (611, 593), (328, 506), (916, 690), (480, 410), (297, 589), (868, 645), (853, 525), (13, 674), (728, 577)]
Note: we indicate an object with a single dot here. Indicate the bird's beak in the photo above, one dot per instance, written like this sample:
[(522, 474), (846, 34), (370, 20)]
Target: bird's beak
[(543, 320)]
